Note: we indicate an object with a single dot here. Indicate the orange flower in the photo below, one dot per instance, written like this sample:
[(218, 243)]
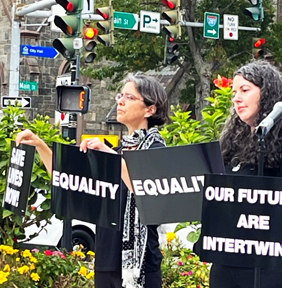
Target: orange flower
[(222, 82)]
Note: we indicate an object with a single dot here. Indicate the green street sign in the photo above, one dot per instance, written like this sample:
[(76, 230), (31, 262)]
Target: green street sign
[(28, 86), (124, 20), (211, 25)]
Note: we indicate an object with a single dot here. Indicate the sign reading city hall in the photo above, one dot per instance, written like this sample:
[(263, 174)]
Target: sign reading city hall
[(86, 186), (18, 178), (241, 222), (168, 181)]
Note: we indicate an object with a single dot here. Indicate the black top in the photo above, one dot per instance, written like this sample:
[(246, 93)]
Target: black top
[(109, 242)]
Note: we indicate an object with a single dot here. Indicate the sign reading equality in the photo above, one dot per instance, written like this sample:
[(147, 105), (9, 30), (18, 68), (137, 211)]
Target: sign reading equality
[(86, 186), (18, 178), (28, 86), (211, 25), (149, 22), (173, 194), (241, 222), (39, 51), (123, 20), (12, 101)]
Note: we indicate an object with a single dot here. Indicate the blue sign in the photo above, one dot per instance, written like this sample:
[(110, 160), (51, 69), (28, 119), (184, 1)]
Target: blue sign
[(39, 51)]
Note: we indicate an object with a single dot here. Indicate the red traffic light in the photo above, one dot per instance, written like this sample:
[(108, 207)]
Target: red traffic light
[(170, 4), (104, 12), (260, 42), (89, 33)]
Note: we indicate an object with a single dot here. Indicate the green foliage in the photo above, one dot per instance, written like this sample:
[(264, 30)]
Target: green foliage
[(185, 130), (12, 225)]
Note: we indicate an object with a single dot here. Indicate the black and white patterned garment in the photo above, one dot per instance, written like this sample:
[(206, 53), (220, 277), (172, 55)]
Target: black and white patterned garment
[(134, 233)]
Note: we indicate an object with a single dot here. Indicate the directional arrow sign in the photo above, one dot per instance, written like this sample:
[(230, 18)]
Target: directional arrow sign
[(39, 51), (124, 20), (211, 25), (12, 101)]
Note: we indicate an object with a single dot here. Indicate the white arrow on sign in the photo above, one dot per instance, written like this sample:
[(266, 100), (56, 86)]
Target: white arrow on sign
[(212, 31), (24, 101)]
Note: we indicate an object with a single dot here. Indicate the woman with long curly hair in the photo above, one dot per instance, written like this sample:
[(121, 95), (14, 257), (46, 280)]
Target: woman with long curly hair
[(257, 86)]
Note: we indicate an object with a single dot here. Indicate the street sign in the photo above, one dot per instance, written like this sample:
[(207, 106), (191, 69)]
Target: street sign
[(230, 27), (39, 51), (150, 22), (12, 101), (124, 20), (28, 86), (211, 25)]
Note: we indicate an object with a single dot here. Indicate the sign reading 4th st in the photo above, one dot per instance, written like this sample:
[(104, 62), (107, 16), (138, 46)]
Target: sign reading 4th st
[(211, 25)]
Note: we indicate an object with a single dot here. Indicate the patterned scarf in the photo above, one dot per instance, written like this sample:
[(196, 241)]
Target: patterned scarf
[(134, 233)]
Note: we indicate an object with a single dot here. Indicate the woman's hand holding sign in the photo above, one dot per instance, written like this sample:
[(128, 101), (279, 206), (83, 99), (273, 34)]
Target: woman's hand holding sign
[(29, 138), (96, 144)]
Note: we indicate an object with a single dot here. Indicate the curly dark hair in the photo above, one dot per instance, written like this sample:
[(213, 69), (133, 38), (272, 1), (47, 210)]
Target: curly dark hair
[(239, 144)]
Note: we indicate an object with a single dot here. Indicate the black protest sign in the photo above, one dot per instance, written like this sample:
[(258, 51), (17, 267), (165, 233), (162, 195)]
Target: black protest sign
[(18, 178), (241, 222), (86, 186), (167, 182)]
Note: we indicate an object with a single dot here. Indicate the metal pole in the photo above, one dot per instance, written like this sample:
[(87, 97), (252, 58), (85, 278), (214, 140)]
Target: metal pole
[(14, 56)]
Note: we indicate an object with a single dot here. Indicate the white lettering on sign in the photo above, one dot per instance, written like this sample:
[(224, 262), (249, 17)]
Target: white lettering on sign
[(18, 157), (12, 196), (167, 186), (253, 196), (85, 185), (230, 245), (254, 221), (219, 194), (15, 176)]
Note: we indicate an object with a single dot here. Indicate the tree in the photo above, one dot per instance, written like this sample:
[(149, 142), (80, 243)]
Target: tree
[(201, 59)]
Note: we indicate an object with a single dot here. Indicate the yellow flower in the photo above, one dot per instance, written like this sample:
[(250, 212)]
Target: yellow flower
[(4, 277), (7, 268), (83, 271), (26, 253), (170, 236), (18, 259), (78, 253), (35, 276), (33, 259), (91, 253), (32, 267), (23, 269), (90, 275)]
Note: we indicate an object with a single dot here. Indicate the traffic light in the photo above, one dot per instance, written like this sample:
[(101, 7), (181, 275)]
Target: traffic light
[(171, 51), (70, 24), (89, 44), (256, 12), (73, 98), (106, 26), (258, 48), (173, 16)]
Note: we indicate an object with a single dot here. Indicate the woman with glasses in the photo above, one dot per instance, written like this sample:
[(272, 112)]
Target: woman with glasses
[(130, 258)]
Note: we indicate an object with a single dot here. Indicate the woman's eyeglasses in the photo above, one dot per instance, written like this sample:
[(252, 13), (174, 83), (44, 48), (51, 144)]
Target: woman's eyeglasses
[(127, 97)]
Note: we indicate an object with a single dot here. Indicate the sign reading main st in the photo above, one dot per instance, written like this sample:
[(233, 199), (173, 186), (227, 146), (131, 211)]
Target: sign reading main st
[(124, 20), (211, 25)]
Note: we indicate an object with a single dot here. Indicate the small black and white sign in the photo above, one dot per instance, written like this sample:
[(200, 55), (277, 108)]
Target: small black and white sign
[(12, 101), (18, 178)]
